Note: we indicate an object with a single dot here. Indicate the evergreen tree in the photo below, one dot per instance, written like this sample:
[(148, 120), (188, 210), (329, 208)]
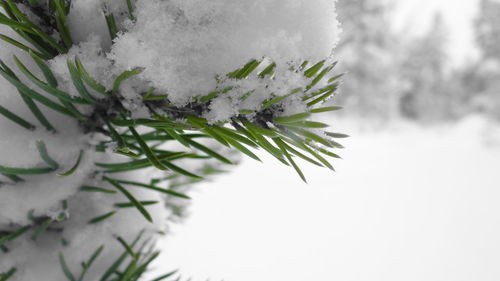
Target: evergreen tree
[(484, 84), (425, 96), (370, 52), (109, 109), (488, 29)]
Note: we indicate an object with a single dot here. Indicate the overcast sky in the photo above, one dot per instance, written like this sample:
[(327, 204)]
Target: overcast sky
[(414, 16)]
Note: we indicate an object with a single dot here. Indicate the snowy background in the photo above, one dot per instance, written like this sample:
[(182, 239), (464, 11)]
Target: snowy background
[(416, 194)]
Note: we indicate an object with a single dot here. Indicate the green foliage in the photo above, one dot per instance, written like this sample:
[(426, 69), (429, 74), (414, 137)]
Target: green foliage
[(74, 168), (284, 137), (7, 275), (7, 237), (129, 266), (46, 45), (133, 271)]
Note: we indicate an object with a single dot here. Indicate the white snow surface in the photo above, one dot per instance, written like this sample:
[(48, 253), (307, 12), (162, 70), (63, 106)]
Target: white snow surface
[(185, 48), (407, 203), (183, 44), (42, 196)]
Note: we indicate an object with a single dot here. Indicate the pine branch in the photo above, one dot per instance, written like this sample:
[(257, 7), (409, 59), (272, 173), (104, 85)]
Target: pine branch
[(101, 111)]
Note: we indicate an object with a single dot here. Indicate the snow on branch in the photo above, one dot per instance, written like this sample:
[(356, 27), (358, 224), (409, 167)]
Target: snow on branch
[(111, 109)]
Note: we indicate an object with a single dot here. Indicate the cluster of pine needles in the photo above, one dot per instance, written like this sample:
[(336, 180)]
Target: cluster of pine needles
[(141, 140)]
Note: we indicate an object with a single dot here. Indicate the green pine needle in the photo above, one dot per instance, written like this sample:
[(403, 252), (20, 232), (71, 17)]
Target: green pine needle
[(165, 276), (155, 188), (13, 178), (245, 71), (45, 155), (62, 22), (325, 109), (130, 197), (281, 145), (122, 77), (42, 228), (91, 82), (291, 119), (86, 265), (64, 266), (101, 217), (127, 247), (26, 91), (25, 171), (9, 237), (88, 188), (138, 164), (131, 205), (116, 265), (16, 119), (208, 151), (7, 275), (130, 9), (73, 169), (112, 27), (22, 46), (76, 78), (309, 73), (147, 151)]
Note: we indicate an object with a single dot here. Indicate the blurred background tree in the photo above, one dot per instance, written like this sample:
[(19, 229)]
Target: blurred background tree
[(486, 85), (488, 29), (394, 74), (370, 53), (423, 70)]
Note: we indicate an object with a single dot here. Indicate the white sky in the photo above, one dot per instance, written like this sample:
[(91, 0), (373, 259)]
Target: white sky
[(414, 16)]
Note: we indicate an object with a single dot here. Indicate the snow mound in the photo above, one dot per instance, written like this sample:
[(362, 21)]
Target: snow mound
[(182, 45)]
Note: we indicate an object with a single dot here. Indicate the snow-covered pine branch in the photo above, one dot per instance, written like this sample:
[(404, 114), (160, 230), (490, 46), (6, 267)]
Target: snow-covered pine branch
[(110, 108)]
